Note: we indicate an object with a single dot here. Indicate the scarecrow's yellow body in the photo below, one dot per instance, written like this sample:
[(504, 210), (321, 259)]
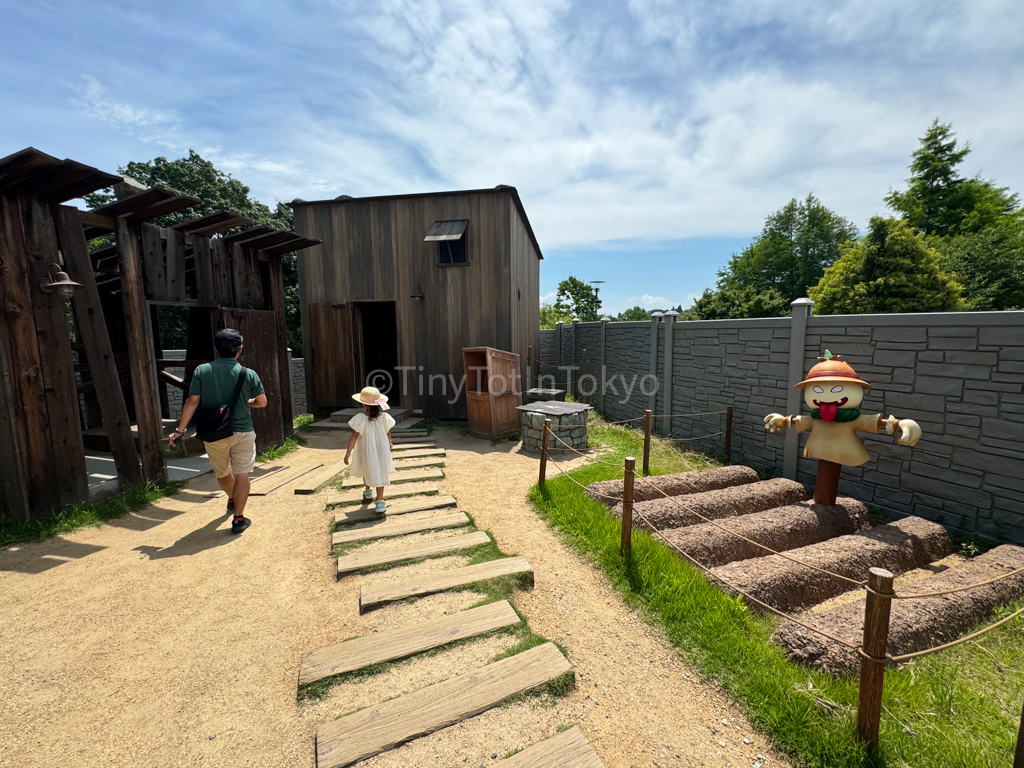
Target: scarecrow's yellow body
[(838, 442)]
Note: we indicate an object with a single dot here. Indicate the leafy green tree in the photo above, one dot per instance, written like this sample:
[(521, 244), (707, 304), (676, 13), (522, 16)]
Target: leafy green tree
[(577, 299), (989, 264), (549, 316), (217, 191), (633, 314), (938, 200), (733, 302), (890, 270)]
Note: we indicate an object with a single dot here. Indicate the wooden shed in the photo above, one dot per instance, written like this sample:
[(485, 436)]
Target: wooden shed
[(403, 283), (83, 363)]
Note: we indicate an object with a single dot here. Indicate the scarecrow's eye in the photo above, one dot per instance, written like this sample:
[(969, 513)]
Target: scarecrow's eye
[(819, 390), (837, 389)]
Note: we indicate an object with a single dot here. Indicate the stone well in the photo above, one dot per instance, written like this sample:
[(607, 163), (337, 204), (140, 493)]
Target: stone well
[(568, 421)]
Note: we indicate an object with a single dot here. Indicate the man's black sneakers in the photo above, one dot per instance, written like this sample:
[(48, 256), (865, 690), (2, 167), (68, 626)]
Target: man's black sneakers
[(239, 524)]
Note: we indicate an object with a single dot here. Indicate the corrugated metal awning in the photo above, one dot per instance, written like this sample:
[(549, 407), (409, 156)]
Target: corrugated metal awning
[(453, 229)]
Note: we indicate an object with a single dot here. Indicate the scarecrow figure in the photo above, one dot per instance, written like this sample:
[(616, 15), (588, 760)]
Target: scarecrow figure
[(834, 392)]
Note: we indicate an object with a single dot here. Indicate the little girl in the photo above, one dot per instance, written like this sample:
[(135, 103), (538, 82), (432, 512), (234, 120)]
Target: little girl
[(371, 441)]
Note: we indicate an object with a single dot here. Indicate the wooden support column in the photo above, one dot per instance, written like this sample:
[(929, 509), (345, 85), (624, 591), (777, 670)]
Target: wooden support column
[(205, 290), (544, 453), (141, 354), (152, 263), (239, 285), (626, 542), (175, 265), (872, 669), (221, 265), (98, 350), (1018, 761), (280, 324), (13, 486)]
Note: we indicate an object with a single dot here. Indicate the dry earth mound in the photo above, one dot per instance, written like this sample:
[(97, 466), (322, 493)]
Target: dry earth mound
[(914, 624), (727, 502), (674, 485), (899, 547), (782, 528)]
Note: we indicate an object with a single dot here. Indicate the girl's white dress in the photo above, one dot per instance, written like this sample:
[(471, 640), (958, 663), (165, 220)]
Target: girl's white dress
[(371, 458)]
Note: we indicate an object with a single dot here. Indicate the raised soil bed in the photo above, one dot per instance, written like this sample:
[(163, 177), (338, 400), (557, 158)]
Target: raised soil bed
[(674, 485)]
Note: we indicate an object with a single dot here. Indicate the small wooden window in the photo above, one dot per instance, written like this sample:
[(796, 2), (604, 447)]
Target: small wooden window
[(450, 236)]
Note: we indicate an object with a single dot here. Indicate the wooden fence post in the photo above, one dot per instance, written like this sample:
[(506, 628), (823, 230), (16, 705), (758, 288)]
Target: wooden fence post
[(872, 670), (728, 434), (627, 506), (544, 452), (648, 420), (1018, 761)]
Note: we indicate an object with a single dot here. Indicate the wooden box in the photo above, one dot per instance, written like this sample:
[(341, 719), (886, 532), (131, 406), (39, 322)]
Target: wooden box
[(492, 391)]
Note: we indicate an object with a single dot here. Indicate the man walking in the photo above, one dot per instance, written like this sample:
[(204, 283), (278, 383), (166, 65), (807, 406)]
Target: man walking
[(213, 385)]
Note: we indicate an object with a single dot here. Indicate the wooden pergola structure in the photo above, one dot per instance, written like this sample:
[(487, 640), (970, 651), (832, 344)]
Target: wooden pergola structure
[(99, 366)]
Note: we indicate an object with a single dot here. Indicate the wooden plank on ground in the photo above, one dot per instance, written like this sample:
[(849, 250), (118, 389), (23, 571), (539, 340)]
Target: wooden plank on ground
[(404, 438), (279, 480), (376, 729), (355, 496), (401, 476), (569, 749), (311, 483), (409, 423), (360, 559), (422, 504), (383, 528), (379, 593), (425, 445), (427, 461), (405, 641)]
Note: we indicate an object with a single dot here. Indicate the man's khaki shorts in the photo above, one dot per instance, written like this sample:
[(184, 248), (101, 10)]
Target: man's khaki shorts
[(235, 455)]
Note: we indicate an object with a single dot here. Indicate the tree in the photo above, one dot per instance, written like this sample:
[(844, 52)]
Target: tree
[(634, 314), (549, 316), (577, 299), (217, 191), (989, 264), (796, 245), (938, 200), (891, 269)]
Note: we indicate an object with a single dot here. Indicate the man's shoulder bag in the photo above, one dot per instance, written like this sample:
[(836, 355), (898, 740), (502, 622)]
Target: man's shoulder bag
[(213, 424)]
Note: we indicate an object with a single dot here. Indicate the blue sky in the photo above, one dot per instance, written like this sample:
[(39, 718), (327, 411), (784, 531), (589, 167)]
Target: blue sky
[(647, 138)]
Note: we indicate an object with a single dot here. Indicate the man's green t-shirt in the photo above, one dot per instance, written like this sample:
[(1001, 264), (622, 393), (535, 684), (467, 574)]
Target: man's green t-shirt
[(215, 383)]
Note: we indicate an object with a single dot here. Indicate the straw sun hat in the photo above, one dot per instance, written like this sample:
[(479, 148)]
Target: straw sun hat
[(372, 396)]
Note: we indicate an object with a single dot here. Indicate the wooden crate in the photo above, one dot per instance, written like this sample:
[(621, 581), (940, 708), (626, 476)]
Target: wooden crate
[(492, 391)]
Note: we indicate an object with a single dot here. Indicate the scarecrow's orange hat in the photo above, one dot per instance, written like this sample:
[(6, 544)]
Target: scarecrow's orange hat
[(831, 368)]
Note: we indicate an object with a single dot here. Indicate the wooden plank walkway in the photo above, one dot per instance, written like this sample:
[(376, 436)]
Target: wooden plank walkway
[(404, 642), (379, 593), (271, 483), (398, 508), (569, 749), (360, 559), (414, 446), (399, 452), (311, 483), (403, 476), (355, 495), (376, 729), (379, 529), (414, 463)]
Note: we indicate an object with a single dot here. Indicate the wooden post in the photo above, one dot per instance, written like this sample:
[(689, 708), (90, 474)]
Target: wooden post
[(826, 484), (648, 422), (627, 506), (728, 434), (544, 452), (1018, 761), (140, 350), (872, 670), (284, 360)]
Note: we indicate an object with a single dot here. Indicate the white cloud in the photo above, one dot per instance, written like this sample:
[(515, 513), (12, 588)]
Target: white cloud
[(549, 298), (94, 102), (649, 302)]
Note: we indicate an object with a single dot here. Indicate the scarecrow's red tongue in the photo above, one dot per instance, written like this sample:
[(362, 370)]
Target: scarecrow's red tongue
[(827, 411)]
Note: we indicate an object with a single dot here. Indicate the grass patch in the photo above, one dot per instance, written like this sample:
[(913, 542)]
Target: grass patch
[(74, 517), (959, 708), (290, 445)]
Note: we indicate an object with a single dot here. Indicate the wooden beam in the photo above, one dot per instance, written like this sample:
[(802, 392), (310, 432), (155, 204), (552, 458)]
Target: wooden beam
[(219, 252), (99, 352), (13, 485), (94, 220), (252, 279), (173, 380), (227, 219), (134, 203), (153, 263), (249, 234), (205, 290), (164, 207), (140, 350), (175, 265), (239, 287), (283, 364)]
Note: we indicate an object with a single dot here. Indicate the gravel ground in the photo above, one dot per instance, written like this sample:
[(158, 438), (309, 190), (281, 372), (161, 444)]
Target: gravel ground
[(162, 640)]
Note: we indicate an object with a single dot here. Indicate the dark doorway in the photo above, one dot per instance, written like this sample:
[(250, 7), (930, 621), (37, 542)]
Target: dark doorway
[(378, 341)]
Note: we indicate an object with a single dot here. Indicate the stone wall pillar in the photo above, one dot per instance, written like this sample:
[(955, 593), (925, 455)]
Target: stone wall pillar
[(802, 309), (666, 421), (652, 399)]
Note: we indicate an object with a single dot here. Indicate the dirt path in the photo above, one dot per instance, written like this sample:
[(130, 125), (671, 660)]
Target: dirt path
[(161, 640)]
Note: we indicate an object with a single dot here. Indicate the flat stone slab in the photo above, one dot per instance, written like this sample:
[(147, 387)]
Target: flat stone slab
[(421, 504), (355, 496), (404, 642), (374, 594), (380, 529), (426, 461), (554, 408), (358, 560), (377, 729), (569, 749), (402, 476)]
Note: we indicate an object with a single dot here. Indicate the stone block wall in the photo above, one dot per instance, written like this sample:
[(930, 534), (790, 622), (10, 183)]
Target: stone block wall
[(959, 375)]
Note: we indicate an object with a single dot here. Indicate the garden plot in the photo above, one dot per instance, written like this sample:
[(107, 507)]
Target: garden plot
[(676, 512)]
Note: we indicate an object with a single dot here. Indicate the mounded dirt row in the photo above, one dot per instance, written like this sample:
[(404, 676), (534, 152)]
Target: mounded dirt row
[(674, 485), (781, 528), (914, 624), (727, 502), (788, 586)]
